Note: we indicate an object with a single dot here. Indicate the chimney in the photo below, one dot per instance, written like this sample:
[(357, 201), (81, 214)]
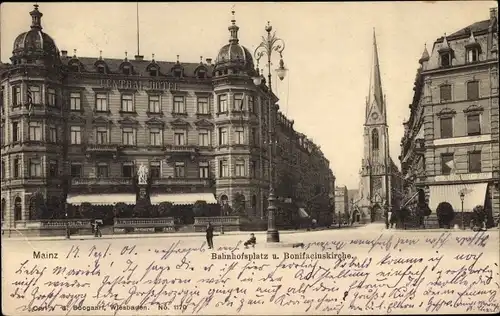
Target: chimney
[(64, 53), (209, 61), (493, 13), (139, 57)]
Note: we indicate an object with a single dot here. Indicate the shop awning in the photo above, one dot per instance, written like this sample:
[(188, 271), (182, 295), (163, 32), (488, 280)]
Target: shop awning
[(475, 194), (183, 198), (102, 199), (303, 213)]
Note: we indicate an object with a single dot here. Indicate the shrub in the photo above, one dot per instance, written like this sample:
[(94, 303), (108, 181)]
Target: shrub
[(121, 210), (445, 214), (165, 209), (200, 209), (86, 210), (478, 216)]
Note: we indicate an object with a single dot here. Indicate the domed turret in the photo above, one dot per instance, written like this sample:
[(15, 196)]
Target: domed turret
[(234, 55), (35, 45)]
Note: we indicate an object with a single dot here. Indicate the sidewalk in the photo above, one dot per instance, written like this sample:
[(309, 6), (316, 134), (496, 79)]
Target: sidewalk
[(130, 236)]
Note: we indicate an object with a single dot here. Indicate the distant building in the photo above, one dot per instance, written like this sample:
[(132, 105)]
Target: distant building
[(202, 129), (341, 204), (451, 142), (380, 177)]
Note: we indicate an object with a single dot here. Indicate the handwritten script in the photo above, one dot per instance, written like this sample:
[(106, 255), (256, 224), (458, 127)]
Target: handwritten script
[(381, 273)]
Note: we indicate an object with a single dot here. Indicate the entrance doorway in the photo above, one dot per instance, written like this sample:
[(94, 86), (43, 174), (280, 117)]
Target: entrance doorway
[(376, 214)]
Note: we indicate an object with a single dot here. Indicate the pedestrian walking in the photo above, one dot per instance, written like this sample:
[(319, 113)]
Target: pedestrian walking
[(97, 229), (210, 236)]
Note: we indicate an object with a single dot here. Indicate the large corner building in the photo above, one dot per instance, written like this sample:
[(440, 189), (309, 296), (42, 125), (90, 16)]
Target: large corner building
[(450, 150), (76, 128)]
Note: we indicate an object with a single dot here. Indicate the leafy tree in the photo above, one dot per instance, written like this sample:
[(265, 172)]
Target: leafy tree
[(200, 209), (86, 210), (142, 208), (239, 205), (445, 214), (38, 208), (165, 209)]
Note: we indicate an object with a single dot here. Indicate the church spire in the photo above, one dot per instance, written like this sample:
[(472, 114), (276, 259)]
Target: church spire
[(375, 93)]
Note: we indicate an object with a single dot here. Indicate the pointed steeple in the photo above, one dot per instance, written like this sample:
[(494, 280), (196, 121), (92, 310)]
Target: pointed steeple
[(425, 55), (375, 93)]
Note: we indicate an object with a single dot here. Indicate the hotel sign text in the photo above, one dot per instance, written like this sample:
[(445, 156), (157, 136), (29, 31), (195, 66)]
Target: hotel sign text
[(138, 84)]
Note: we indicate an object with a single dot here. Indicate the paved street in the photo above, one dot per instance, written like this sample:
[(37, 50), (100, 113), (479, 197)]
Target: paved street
[(349, 263)]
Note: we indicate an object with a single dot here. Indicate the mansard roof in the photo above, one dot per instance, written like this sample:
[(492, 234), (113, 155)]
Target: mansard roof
[(140, 66)]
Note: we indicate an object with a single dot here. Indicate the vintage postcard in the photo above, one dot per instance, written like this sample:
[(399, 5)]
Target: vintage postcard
[(249, 158)]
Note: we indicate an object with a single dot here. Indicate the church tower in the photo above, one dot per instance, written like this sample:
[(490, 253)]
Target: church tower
[(376, 163)]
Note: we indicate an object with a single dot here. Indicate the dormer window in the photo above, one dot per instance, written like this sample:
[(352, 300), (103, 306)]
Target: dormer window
[(201, 74), (445, 59), (472, 55), (153, 72), (177, 73), (75, 68), (101, 69), (126, 70)]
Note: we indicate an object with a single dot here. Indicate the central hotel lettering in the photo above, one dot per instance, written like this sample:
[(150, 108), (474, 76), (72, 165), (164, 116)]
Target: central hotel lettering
[(138, 84)]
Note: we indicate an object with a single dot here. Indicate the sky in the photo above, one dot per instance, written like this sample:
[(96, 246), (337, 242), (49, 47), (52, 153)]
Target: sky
[(328, 52)]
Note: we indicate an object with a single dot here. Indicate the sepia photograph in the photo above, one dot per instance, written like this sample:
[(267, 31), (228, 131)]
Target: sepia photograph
[(250, 158)]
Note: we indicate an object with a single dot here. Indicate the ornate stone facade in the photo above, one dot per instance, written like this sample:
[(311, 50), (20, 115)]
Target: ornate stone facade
[(451, 141), (198, 127)]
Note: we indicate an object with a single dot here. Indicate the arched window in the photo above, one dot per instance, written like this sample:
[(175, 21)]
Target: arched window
[(375, 140), (4, 205), (254, 204), (18, 209)]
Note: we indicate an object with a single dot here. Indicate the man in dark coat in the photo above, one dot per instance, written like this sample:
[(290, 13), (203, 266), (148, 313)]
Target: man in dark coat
[(210, 236)]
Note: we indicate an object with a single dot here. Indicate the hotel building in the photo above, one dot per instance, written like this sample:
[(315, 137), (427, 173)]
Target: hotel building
[(203, 129)]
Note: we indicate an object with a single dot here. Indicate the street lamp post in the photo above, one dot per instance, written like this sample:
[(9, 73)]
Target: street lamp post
[(462, 197), (271, 44), (66, 216)]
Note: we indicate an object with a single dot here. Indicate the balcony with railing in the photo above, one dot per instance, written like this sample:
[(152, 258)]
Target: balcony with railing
[(183, 181), (172, 151), (102, 149)]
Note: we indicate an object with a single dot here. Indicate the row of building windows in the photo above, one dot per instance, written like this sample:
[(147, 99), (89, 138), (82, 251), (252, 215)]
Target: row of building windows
[(128, 105), (473, 126), (102, 135), (34, 96), (128, 169), (445, 91), (474, 163)]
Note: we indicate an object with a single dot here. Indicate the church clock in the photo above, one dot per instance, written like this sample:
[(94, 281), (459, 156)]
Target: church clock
[(375, 115)]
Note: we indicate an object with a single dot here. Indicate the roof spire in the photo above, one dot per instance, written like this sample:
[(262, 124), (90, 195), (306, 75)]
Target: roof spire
[(233, 29), (36, 18), (100, 55), (375, 94), (425, 55)]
